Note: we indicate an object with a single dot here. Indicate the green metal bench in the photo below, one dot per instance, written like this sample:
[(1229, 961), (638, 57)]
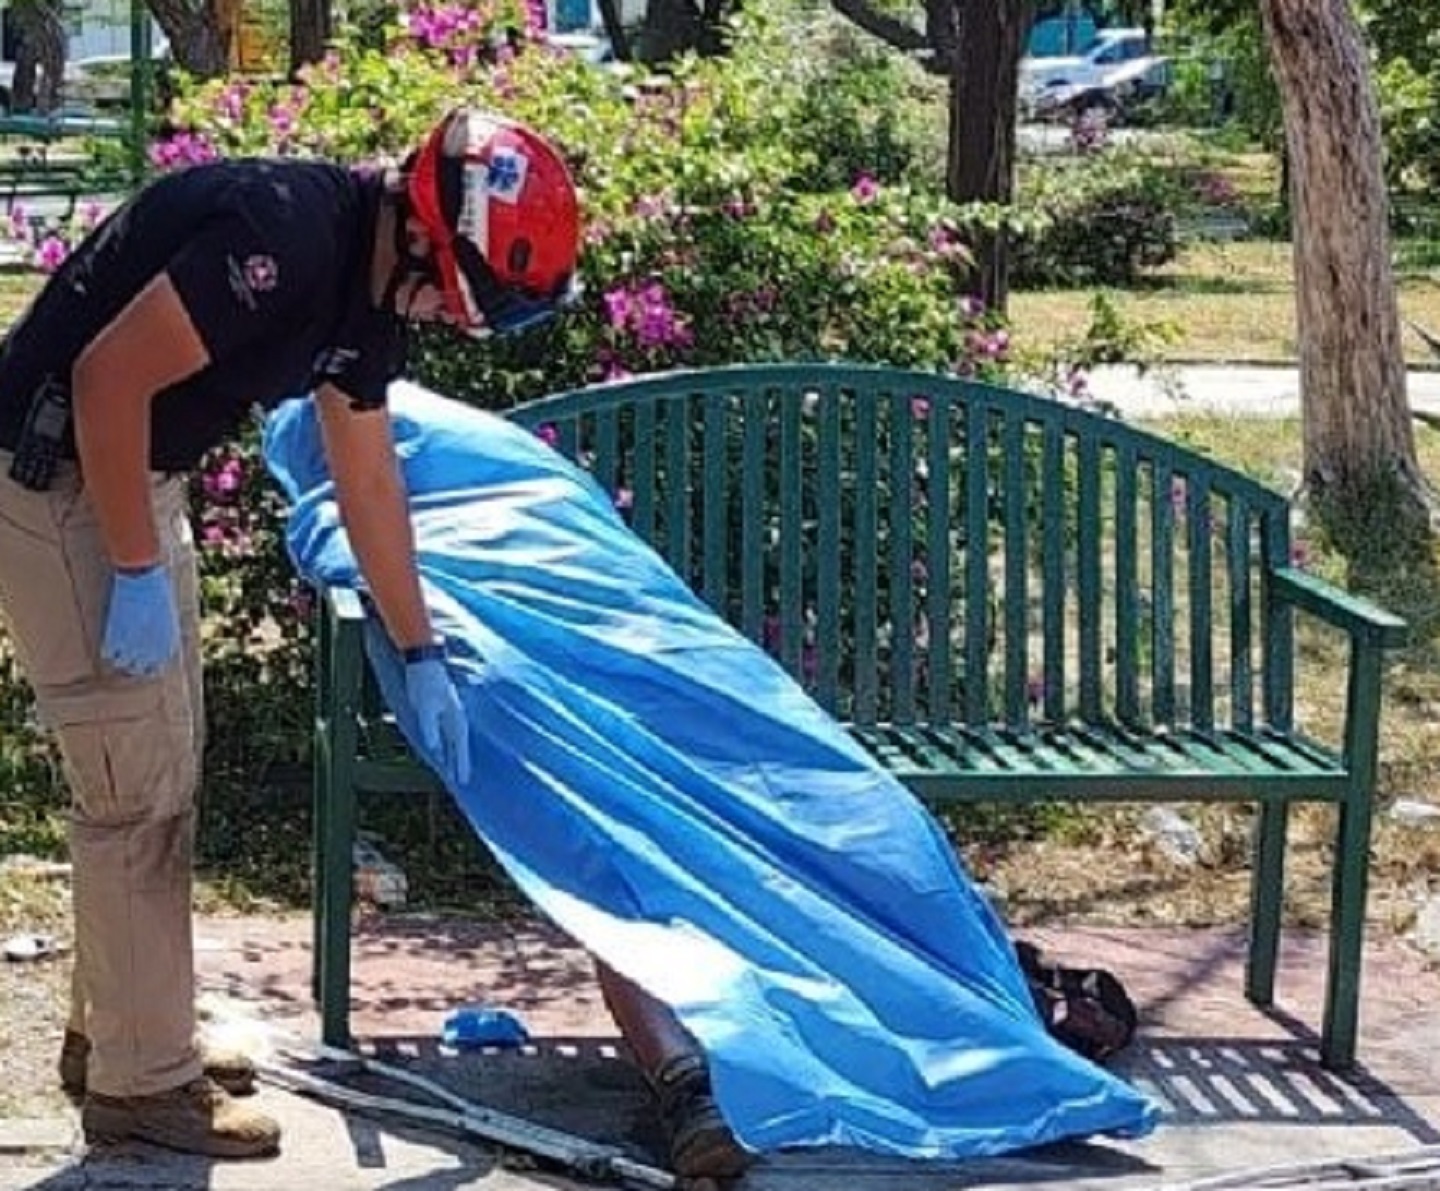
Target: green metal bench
[(53, 159), (1004, 599), (46, 129), (24, 181)]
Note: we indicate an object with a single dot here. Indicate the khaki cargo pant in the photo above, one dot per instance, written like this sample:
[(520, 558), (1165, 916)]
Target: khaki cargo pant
[(132, 751)]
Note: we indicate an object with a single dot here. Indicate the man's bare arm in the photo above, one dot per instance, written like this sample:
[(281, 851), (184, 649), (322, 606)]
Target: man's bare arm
[(149, 346), (360, 448)]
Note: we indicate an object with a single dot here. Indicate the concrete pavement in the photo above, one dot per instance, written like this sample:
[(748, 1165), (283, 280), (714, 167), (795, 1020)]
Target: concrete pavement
[(1241, 1089), (1250, 389)]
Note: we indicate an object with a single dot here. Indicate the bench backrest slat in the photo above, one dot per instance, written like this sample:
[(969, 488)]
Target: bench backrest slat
[(1279, 667), (1089, 609), (791, 535), (755, 546), (1054, 529), (1128, 622), (1198, 528), (642, 489), (935, 568), (607, 448), (830, 541), (1016, 612), (865, 705), (922, 549), (714, 502), (974, 615), (1162, 591), (898, 612), (680, 416), (1239, 546)]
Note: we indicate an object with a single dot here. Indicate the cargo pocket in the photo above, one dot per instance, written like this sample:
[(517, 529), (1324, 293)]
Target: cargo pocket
[(50, 604), (130, 744), (129, 747)]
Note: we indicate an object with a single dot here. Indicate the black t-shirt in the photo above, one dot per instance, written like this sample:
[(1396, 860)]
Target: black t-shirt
[(272, 261)]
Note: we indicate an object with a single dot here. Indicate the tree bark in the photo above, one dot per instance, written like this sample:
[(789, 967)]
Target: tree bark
[(675, 27), (40, 60), (309, 31), (989, 37), (1358, 437), (615, 30), (891, 30), (198, 38)]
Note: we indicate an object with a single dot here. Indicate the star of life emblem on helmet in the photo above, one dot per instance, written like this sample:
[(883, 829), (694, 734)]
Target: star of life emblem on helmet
[(505, 177)]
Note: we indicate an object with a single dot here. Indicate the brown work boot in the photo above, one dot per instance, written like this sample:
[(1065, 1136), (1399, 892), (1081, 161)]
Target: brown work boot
[(701, 1143), (198, 1118), (232, 1070)]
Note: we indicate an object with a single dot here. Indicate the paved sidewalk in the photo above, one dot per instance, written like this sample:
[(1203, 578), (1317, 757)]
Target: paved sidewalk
[(1260, 390), (1241, 1089)]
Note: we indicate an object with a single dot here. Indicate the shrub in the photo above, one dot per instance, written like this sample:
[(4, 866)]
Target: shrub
[(850, 121), (1410, 116), (1098, 219)]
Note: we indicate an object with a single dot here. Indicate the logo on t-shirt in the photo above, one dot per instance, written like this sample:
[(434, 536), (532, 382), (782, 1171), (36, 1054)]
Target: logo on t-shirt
[(257, 275), (262, 273)]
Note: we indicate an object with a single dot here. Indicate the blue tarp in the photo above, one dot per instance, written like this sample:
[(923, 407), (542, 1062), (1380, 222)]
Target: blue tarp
[(665, 792)]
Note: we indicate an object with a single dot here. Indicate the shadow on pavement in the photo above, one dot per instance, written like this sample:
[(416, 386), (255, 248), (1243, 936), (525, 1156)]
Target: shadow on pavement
[(1224, 1081), (586, 1086)]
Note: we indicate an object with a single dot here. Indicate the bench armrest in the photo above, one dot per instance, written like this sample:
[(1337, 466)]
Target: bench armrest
[(343, 603), (1355, 615)]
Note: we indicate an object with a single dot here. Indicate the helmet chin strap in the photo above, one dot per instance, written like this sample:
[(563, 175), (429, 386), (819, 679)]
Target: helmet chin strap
[(408, 263)]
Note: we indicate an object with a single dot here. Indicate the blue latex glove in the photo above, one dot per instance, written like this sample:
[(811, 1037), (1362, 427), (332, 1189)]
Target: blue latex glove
[(476, 1026), (442, 719), (142, 629)]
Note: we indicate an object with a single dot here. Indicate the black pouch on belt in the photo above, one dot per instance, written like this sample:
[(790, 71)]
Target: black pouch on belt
[(46, 423)]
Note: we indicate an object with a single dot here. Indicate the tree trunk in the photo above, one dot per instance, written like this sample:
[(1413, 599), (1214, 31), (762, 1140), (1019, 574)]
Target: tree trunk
[(40, 62), (25, 84), (671, 28), (198, 38), (980, 164), (615, 30), (309, 31), (1359, 458)]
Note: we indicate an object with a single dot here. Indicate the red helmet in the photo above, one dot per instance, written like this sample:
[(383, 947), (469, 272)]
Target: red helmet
[(501, 214)]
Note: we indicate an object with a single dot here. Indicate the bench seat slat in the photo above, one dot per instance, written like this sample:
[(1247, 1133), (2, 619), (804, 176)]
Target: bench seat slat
[(1120, 757)]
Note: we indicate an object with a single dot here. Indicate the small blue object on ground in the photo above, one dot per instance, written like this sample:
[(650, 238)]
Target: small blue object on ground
[(476, 1026)]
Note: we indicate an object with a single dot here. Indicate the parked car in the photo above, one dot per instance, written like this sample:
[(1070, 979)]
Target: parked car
[(103, 80), (1118, 70)]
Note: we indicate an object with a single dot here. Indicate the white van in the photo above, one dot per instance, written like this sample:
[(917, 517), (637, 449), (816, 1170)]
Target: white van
[(1117, 68)]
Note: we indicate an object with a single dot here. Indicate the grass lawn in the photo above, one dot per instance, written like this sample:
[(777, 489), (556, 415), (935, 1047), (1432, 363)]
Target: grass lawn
[(1229, 302), (17, 286)]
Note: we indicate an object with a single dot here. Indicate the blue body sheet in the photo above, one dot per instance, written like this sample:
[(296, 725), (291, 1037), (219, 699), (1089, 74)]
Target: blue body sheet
[(659, 786)]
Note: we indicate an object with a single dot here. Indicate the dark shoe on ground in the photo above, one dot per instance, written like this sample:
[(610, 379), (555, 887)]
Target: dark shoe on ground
[(701, 1143), (199, 1118), (232, 1070)]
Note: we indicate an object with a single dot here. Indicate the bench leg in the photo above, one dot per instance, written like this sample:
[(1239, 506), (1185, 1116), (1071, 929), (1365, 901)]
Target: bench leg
[(320, 830), (339, 664), (334, 847), (1347, 932), (1267, 898)]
